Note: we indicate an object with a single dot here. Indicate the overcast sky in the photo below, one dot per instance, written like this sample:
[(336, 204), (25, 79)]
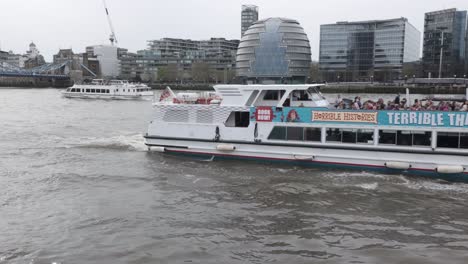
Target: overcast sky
[(55, 24)]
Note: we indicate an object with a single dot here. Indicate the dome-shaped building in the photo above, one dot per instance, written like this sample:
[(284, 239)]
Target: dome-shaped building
[(274, 50)]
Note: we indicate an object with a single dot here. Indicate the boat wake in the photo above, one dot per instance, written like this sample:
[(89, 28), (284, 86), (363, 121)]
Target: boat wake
[(134, 142)]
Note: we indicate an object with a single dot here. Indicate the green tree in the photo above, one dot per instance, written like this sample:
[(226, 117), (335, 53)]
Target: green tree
[(201, 72)]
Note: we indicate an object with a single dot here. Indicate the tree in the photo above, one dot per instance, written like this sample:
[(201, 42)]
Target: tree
[(314, 74), (200, 72)]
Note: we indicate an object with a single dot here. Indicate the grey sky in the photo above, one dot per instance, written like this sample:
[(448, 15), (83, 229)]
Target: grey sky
[(54, 24)]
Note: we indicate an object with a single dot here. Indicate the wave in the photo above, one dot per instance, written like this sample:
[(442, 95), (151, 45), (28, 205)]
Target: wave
[(133, 142)]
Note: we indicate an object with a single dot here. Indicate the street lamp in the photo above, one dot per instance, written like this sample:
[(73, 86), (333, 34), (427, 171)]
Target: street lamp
[(455, 76)]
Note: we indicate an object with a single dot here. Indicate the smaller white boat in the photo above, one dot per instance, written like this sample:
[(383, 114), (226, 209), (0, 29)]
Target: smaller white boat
[(113, 89)]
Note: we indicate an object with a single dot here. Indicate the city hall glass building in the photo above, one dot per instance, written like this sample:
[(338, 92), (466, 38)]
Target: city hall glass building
[(367, 50), (452, 25), (274, 50)]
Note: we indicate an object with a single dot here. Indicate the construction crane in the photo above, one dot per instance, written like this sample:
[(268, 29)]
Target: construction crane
[(112, 37)]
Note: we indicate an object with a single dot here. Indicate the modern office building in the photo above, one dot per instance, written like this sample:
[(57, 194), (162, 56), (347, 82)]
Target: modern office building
[(367, 50), (444, 34), (249, 15), (109, 64), (177, 58), (274, 50), (129, 69), (3, 56), (466, 53), (17, 60)]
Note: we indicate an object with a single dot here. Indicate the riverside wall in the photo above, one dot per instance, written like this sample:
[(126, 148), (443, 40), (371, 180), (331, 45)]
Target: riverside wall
[(35, 82)]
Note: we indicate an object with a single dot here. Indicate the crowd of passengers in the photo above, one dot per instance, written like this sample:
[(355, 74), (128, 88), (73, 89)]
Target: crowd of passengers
[(398, 104)]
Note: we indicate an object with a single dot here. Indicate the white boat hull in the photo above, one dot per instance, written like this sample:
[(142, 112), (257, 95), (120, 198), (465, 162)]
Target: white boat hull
[(107, 96), (316, 156)]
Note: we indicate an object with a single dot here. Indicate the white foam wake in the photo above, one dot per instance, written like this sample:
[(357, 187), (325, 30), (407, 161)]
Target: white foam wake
[(134, 142)]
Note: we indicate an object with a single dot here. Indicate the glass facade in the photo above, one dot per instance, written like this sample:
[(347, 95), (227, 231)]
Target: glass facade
[(368, 50), (275, 50), (444, 31), (249, 15)]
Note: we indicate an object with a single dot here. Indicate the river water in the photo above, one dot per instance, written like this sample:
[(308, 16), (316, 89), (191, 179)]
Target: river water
[(78, 186)]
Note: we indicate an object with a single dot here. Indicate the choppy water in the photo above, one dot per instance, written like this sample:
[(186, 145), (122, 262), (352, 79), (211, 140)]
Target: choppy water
[(77, 186)]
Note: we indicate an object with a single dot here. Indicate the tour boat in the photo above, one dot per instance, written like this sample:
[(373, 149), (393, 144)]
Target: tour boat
[(295, 124), (113, 89)]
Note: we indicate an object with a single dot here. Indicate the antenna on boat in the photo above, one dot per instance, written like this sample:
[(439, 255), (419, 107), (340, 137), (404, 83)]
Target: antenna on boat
[(112, 37)]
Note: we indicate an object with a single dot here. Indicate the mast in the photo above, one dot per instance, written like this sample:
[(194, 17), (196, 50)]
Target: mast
[(112, 36)]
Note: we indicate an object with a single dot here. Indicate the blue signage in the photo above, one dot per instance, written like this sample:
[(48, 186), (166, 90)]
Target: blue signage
[(382, 118)]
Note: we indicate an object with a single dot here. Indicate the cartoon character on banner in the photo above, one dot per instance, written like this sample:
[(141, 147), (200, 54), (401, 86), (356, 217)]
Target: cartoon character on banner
[(293, 116)]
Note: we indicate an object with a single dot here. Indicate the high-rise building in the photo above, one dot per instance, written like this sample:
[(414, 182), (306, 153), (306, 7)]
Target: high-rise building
[(249, 15), (274, 50), (367, 50), (216, 55), (466, 53), (444, 34)]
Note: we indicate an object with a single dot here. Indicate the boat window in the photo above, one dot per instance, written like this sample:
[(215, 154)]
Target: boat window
[(107, 91), (295, 133), (464, 140), (300, 95), (238, 119), (387, 137), (278, 133), (116, 90), (404, 138), (349, 135), (313, 134), (334, 134), (252, 98), (365, 136), (274, 95), (447, 139), (422, 138), (93, 90)]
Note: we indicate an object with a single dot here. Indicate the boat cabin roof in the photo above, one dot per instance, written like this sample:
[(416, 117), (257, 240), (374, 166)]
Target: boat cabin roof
[(272, 95)]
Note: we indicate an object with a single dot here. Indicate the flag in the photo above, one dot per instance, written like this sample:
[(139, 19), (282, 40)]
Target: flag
[(167, 93)]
